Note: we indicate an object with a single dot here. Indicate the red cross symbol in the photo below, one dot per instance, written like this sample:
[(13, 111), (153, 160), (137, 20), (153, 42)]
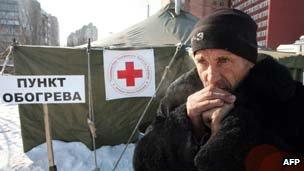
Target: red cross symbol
[(129, 74)]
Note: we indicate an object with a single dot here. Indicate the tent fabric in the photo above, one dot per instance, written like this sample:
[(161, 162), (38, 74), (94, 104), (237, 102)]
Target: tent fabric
[(162, 28), (276, 54), (114, 119), (295, 65)]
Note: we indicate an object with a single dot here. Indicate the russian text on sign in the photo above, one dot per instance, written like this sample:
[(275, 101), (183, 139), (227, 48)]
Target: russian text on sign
[(42, 89)]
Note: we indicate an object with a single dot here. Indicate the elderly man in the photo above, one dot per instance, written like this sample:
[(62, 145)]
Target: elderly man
[(231, 112)]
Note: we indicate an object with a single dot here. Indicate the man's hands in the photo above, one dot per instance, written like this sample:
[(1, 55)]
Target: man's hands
[(212, 118), (208, 106)]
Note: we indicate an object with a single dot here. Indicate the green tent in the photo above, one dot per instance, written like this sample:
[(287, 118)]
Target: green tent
[(114, 119), (163, 28)]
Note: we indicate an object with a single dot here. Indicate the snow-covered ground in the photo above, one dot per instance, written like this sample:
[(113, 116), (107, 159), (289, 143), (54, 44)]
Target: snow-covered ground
[(68, 156)]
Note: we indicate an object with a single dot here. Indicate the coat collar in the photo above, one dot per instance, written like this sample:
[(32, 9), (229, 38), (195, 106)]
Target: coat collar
[(268, 81)]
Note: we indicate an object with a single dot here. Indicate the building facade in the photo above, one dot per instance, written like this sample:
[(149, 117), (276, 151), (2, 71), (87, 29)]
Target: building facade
[(49, 30), (10, 26), (279, 21), (200, 8), (82, 35), (25, 21)]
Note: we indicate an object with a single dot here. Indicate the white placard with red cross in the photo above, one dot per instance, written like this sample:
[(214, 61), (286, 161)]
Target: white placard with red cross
[(129, 73)]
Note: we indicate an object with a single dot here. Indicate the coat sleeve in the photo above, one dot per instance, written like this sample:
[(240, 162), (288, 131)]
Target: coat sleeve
[(169, 146)]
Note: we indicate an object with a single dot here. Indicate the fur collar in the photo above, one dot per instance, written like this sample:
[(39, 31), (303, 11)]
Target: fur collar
[(268, 81)]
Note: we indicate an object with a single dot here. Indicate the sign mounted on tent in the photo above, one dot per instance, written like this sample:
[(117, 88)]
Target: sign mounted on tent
[(42, 89), (129, 73)]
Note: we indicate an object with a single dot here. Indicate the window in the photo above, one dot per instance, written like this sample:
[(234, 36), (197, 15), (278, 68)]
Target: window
[(262, 43), (264, 13), (262, 23), (260, 15), (261, 33), (257, 7)]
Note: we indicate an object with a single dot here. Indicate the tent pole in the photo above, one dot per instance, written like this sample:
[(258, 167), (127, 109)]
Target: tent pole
[(148, 10), (177, 7), (167, 69), (48, 136), (91, 120)]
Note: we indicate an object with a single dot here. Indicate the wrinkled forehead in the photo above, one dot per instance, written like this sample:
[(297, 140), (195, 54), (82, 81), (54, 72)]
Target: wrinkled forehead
[(213, 53)]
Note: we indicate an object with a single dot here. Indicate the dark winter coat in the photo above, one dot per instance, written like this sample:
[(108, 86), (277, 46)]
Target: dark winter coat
[(269, 110)]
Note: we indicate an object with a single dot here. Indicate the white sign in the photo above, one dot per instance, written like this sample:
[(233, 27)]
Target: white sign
[(129, 73), (32, 89)]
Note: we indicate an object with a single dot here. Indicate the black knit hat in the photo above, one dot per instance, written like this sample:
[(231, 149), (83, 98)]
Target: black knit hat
[(228, 29)]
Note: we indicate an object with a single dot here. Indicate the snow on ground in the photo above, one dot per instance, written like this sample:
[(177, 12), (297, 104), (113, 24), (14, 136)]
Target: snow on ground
[(68, 156)]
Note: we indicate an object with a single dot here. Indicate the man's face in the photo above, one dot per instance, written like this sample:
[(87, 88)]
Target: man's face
[(221, 68)]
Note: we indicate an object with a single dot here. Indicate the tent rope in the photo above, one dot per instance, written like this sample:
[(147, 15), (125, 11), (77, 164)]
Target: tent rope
[(165, 73), (91, 119), (8, 51)]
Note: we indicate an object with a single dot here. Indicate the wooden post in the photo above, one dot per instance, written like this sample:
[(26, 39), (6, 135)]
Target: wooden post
[(48, 136)]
